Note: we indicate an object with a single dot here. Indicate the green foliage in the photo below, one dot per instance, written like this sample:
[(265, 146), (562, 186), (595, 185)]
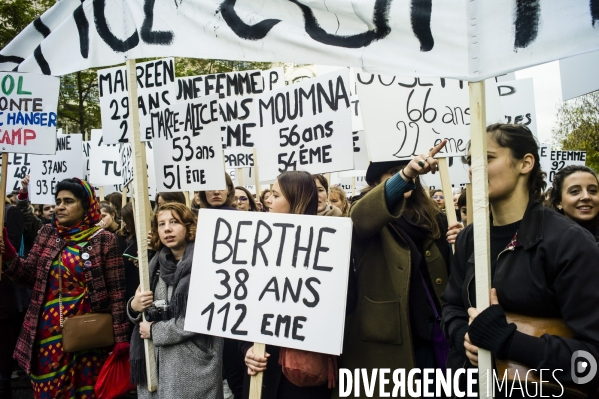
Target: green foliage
[(578, 127)]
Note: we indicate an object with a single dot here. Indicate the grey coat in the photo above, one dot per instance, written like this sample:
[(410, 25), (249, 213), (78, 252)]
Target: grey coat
[(189, 365)]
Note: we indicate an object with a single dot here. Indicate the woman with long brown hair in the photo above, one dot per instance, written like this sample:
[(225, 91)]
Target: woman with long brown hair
[(294, 193), (401, 264)]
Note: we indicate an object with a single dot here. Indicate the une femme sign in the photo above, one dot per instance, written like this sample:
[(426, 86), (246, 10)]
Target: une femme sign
[(28, 113), (276, 279)]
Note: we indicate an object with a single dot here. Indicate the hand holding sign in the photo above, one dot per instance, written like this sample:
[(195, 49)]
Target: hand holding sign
[(423, 163)]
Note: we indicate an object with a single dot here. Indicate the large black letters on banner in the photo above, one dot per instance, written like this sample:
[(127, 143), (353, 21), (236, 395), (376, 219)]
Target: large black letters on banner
[(153, 37), (594, 11), (240, 28), (380, 19), (103, 29), (526, 23), (420, 15), (83, 28)]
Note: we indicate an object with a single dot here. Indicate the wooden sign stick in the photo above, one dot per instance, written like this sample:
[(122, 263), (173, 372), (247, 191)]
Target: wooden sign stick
[(353, 186), (447, 192), (240, 177), (480, 210), (3, 197), (469, 215), (256, 380), (187, 200), (256, 176), (101, 190), (124, 196), (142, 211)]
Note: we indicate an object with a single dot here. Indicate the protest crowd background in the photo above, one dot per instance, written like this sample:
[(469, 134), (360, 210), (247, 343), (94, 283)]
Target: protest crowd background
[(229, 221)]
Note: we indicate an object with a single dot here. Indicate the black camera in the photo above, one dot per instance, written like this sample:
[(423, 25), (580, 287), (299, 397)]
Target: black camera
[(159, 311)]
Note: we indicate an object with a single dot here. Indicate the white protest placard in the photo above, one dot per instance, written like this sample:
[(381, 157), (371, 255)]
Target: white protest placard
[(230, 84), (105, 162), (236, 105), (458, 175), (156, 88), (518, 101), (48, 170), (247, 179), (405, 117), (271, 278), (305, 126), (19, 165), (189, 155), (579, 75), (126, 162), (552, 161), (28, 104)]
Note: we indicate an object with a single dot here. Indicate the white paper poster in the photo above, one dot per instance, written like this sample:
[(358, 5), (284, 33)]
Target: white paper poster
[(156, 91), (28, 106), (273, 278), (126, 162), (518, 101), (552, 161), (305, 126), (579, 75), (458, 175), (19, 166), (236, 92), (105, 162), (189, 156), (48, 170)]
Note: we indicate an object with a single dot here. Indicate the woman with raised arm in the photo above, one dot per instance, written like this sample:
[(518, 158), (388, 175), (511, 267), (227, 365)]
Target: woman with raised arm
[(74, 268), (543, 266), (189, 365), (401, 261), (295, 193)]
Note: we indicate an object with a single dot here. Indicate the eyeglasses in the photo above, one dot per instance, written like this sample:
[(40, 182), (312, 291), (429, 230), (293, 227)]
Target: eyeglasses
[(438, 197), (243, 200)]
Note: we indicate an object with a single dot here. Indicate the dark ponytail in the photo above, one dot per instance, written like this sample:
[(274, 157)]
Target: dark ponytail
[(520, 141)]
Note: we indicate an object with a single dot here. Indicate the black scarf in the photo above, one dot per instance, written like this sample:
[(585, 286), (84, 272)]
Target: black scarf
[(176, 275), (421, 312)]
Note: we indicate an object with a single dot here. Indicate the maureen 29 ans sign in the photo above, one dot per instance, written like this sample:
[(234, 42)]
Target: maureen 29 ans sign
[(277, 279)]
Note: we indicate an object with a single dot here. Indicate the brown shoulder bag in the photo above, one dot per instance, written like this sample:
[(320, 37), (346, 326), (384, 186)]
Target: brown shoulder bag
[(88, 331)]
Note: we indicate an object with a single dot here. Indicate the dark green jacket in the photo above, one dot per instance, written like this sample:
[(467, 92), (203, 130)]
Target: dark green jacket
[(378, 332)]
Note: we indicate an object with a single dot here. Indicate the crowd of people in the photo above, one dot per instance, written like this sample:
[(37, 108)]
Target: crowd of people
[(411, 293)]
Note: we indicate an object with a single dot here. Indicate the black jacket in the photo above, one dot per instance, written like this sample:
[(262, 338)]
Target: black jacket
[(553, 272)]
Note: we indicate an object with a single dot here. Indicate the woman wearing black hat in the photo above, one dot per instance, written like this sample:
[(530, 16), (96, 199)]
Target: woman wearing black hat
[(401, 262)]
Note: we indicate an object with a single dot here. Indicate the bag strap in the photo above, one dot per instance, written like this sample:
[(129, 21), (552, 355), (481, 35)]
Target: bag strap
[(430, 298), (60, 293)]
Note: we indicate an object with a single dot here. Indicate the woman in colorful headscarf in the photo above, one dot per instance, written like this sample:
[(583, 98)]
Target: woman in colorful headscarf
[(87, 260)]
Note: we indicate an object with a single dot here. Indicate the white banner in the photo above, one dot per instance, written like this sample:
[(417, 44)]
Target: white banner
[(19, 165), (156, 91), (579, 75), (271, 278), (28, 106), (462, 39), (305, 126), (48, 170), (554, 161), (518, 101), (189, 156)]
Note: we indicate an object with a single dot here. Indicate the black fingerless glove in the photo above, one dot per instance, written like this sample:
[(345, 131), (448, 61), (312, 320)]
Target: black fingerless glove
[(490, 330)]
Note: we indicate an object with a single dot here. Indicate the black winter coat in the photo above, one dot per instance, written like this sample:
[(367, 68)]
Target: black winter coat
[(552, 272)]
